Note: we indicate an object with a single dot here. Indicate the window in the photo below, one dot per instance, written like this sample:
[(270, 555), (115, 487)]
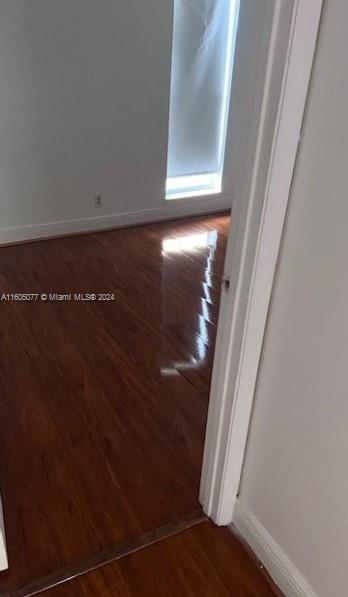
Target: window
[(202, 60)]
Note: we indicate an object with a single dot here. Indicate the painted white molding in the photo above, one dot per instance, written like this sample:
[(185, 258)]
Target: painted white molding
[(170, 210), (3, 553), (284, 573), (257, 223)]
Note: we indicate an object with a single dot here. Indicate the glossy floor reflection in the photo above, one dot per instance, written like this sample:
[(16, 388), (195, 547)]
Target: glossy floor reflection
[(103, 404)]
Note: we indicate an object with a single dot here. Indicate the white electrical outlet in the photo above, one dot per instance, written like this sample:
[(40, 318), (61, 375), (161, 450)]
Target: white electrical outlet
[(98, 201)]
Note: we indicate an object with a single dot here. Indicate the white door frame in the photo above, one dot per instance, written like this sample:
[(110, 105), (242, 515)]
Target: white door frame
[(3, 553), (274, 55)]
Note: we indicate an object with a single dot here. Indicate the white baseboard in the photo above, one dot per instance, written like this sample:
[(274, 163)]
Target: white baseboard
[(173, 209), (3, 552), (276, 562)]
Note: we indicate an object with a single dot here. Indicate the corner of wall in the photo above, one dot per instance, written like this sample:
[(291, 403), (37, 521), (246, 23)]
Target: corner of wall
[(281, 569)]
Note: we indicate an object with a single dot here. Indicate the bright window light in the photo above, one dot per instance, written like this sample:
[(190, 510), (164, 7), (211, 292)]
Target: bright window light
[(178, 187), (189, 243), (202, 60)]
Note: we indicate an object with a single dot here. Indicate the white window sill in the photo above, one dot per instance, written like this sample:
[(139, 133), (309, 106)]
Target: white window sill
[(198, 185)]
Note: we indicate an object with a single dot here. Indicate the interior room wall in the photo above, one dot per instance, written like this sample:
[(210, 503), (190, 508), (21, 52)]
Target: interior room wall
[(84, 111), (294, 492)]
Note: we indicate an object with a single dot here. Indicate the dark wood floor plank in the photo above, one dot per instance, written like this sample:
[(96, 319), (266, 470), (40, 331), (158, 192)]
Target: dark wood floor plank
[(62, 577), (104, 403), (201, 562)]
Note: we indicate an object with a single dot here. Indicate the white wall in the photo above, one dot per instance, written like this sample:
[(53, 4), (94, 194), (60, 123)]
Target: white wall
[(83, 110), (295, 482)]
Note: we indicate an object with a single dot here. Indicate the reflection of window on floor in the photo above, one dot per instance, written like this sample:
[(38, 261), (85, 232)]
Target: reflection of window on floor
[(190, 243), (203, 49), (203, 242)]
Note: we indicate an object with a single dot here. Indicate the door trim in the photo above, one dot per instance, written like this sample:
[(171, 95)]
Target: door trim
[(3, 552), (271, 135)]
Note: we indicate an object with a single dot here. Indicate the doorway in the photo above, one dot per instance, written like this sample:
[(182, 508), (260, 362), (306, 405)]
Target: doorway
[(103, 407)]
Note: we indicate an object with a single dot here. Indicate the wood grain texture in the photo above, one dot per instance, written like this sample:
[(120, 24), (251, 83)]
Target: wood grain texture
[(202, 562), (103, 404), (107, 556)]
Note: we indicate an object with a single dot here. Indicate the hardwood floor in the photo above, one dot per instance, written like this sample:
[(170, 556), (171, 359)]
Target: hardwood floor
[(103, 404), (202, 562)]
